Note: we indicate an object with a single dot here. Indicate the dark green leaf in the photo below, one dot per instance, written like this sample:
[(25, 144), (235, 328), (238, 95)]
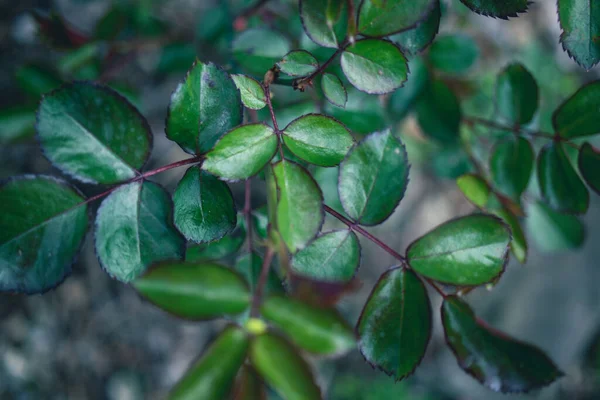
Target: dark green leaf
[(261, 221), (382, 18), (581, 30), (204, 208), (374, 66), (415, 40), (258, 50), (589, 166), (498, 361), (92, 133), (298, 63), (36, 80), (193, 290), (334, 90), (373, 178), (253, 94), (475, 189), (497, 9), (324, 21), (511, 166), (111, 23), (203, 107), (300, 212), (249, 266), (395, 326), (333, 256), (134, 228), (438, 113), (242, 152), (318, 139), (212, 376), (81, 63), (403, 100), (518, 244), (176, 57), (363, 113), (553, 231), (467, 251), (318, 330), (579, 116), (42, 225), (454, 54), (17, 123), (516, 95), (560, 185), (221, 248), (283, 369)]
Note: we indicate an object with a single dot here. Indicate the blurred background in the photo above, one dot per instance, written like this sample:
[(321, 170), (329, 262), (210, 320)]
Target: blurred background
[(94, 338)]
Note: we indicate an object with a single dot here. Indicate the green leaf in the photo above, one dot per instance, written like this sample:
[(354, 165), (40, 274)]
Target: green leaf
[(475, 189), (518, 244), (17, 123), (324, 21), (298, 63), (363, 113), (511, 166), (242, 152), (318, 139), (258, 50), (333, 256), (466, 251), (403, 100), (196, 291), (374, 66), (204, 207), (415, 40), (112, 23), (395, 325), (300, 212), (42, 226), (252, 92), (498, 361), (561, 187), (176, 58), (249, 386), (134, 228), (439, 113), (497, 9), (581, 31), (454, 54), (92, 133), (382, 18), (553, 231), (334, 90), (579, 116), (213, 375), (226, 246), (317, 330), (36, 80), (589, 166), (203, 107), (516, 95), (249, 266), (283, 369), (373, 178)]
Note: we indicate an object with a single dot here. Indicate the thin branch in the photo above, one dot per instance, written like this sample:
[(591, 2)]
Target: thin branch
[(267, 87), (262, 281), (248, 212), (308, 80), (514, 129)]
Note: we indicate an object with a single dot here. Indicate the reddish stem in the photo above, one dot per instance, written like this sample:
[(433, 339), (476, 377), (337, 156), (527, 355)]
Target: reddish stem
[(262, 281)]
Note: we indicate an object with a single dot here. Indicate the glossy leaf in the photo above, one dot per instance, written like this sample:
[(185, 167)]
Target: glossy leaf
[(226, 246), (212, 376), (204, 207), (333, 256), (374, 66), (203, 107), (249, 266), (298, 63), (363, 113), (553, 231), (318, 139), (93, 134), (467, 251), (258, 50), (580, 23), (42, 226), (195, 291), (560, 185), (418, 38), (383, 18), (134, 228), (373, 178), (475, 189), (454, 54), (511, 166), (516, 95), (395, 325), (324, 21), (251, 91), (579, 116), (497, 9), (518, 244), (439, 113), (300, 212), (317, 330), (498, 361), (283, 369), (242, 152), (334, 90), (589, 166)]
